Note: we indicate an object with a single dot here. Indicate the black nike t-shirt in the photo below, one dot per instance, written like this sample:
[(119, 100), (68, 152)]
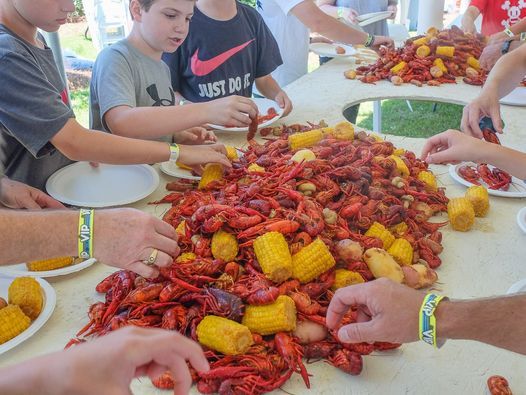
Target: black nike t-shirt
[(223, 58)]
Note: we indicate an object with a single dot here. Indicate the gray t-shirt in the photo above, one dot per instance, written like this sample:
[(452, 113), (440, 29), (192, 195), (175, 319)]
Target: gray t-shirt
[(365, 7), (123, 76), (33, 108)]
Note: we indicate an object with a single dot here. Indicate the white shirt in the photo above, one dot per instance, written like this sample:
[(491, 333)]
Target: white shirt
[(291, 35)]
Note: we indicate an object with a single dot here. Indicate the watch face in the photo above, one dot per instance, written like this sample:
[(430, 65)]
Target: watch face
[(505, 47)]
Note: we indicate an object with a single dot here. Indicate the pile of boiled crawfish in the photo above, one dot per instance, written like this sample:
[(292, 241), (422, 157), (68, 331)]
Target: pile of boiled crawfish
[(419, 69), (355, 184)]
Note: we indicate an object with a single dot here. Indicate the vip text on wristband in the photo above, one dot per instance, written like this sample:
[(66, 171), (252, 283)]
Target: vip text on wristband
[(427, 322), (85, 235)]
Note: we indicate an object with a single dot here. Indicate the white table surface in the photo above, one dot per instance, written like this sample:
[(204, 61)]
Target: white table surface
[(482, 262)]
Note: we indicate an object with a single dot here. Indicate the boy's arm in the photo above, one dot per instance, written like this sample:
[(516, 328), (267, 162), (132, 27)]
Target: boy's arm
[(268, 86), (328, 7), (468, 19)]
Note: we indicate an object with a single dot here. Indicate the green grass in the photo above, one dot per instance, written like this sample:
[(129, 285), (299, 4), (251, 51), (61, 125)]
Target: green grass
[(398, 120), (72, 37), (80, 104)]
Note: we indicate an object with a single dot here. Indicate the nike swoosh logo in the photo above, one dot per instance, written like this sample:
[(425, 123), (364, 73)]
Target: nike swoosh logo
[(205, 67)]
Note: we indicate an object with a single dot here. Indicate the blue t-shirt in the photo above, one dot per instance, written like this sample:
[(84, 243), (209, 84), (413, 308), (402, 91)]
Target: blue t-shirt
[(223, 58)]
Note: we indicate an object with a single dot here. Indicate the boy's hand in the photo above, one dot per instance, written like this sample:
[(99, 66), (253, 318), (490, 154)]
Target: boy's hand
[(453, 146), (487, 104), (199, 155), (232, 111), (194, 136), (284, 102), (14, 194), (382, 41)]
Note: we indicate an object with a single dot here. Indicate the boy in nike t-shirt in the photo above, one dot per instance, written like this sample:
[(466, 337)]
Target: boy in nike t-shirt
[(131, 93), (228, 49)]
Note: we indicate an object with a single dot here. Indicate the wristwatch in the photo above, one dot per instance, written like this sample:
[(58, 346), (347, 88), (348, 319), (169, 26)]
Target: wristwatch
[(505, 47)]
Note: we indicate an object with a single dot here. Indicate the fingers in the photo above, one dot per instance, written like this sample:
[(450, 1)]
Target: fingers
[(164, 260), (341, 302), (27, 201), (357, 333), (46, 201), (144, 270), (164, 229), (473, 120), (166, 244), (495, 118), (220, 148), (432, 145), (182, 377)]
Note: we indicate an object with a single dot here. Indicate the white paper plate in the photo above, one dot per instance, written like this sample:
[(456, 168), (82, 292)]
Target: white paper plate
[(263, 106), (173, 170), (516, 97), (20, 269), (521, 219), (82, 185), (50, 301), (329, 50), (518, 287), (517, 187), (367, 19)]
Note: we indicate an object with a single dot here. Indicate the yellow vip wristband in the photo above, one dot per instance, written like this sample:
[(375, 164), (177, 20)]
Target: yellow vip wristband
[(85, 233), (427, 321)]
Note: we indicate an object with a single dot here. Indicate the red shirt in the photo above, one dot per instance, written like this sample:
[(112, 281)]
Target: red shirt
[(497, 15)]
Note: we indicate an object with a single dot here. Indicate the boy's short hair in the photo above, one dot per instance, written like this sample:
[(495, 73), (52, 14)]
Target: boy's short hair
[(145, 5)]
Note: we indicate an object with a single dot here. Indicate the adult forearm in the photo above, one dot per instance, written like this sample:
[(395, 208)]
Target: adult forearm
[(328, 9), (468, 19), (507, 73), (497, 321), (137, 122), (519, 27), (507, 159), (31, 235), (268, 86)]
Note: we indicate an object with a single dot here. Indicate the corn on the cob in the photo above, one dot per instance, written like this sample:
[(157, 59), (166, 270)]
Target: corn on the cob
[(400, 165), (211, 172), (343, 278), (224, 246), (399, 151), (380, 232), (473, 62), (420, 41), (399, 229), (479, 199), (398, 67), (224, 335), (431, 32), (279, 316), (272, 252), (305, 155), (49, 264), (311, 261), (231, 152), (446, 51), (402, 251), (440, 64), (181, 228), (423, 51), (186, 257), (461, 214), (26, 293), (305, 139), (429, 179), (182, 166), (13, 322), (254, 167), (327, 131), (344, 131), (376, 137)]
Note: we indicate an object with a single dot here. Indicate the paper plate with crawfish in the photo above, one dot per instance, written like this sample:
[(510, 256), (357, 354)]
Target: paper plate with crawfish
[(269, 112), (33, 323), (498, 182), (39, 269)]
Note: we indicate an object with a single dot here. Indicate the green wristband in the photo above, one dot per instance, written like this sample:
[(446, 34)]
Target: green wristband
[(85, 233), (427, 331)]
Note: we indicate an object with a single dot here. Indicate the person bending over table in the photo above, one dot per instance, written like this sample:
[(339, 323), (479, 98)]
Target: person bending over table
[(501, 43), (496, 15)]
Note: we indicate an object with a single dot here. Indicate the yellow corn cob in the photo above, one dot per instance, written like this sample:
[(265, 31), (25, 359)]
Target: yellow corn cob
[(423, 51), (186, 257), (440, 64), (432, 32), (399, 229), (305, 139), (473, 62), (376, 137), (181, 228), (224, 335), (26, 293), (399, 67), (420, 41), (49, 264), (211, 172), (461, 214), (479, 199), (231, 152), (344, 278), (327, 131), (13, 322), (311, 261), (279, 316), (380, 232), (400, 165), (182, 166), (429, 179), (305, 155), (272, 252), (399, 151), (224, 246), (402, 252), (254, 167), (446, 51), (344, 131)]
